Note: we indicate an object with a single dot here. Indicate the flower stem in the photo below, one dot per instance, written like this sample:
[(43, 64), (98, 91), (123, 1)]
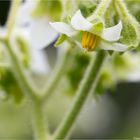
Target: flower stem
[(19, 73), (90, 77), (23, 79), (39, 121), (122, 9), (123, 12), (101, 9), (41, 132), (12, 16)]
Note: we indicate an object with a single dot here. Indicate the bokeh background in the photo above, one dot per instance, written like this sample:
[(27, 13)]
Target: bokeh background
[(116, 114)]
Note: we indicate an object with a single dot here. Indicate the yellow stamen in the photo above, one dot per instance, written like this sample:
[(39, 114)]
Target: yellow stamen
[(89, 41), (85, 35)]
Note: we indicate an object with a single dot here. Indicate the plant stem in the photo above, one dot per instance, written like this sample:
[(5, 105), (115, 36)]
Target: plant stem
[(101, 9), (90, 77), (124, 13), (19, 73), (12, 16), (122, 9), (23, 79), (17, 68), (56, 75), (41, 132), (39, 121)]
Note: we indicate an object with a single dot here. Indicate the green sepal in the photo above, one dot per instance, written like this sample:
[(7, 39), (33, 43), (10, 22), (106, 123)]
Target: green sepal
[(98, 25), (131, 28), (110, 52), (60, 40), (121, 53), (129, 34)]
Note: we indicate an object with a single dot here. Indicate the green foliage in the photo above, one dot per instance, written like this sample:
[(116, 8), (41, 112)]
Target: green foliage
[(50, 8), (77, 68), (11, 87), (106, 81), (120, 62)]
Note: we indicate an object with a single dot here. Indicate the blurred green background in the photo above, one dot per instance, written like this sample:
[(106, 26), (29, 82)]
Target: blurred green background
[(115, 115)]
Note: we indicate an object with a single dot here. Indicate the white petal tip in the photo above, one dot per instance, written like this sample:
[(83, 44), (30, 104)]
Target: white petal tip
[(113, 46), (79, 22), (112, 33), (63, 28)]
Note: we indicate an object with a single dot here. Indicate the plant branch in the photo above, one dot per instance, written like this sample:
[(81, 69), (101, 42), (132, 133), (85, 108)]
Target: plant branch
[(39, 121), (20, 74), (90, 77), (12, 16), (101, 9)]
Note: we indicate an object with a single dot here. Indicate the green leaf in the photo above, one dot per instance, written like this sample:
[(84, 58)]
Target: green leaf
[(106, 81), (11, 87), (76, 69), (60, 40)]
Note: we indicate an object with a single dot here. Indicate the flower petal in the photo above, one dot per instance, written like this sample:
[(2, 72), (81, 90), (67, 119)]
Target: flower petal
[(41, 33), (24, 13), (113, 46), (39, 62), (63, 28), (80, 23), (112, 33)]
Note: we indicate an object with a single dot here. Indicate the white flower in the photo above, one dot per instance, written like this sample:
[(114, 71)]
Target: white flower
[(36, 31), (92, 37), (41, 33), (39, 62)]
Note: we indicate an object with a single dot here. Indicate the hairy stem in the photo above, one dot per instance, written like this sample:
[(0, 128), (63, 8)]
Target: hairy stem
[(122, 9), (101, 9), (90, 77)]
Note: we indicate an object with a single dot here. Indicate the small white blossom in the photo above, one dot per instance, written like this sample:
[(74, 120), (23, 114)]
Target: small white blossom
[(41, 33), (105, 39)]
